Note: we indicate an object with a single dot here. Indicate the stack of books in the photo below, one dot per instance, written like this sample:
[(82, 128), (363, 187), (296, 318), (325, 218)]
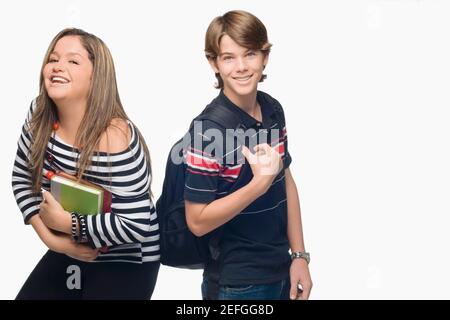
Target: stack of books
[(79, 196)]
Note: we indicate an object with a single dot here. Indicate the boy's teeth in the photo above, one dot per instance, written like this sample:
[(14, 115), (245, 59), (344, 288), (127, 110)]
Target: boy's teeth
[(243, 78)]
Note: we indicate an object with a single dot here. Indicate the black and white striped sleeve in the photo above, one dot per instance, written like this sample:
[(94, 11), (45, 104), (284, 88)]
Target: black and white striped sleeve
[(133, 216), (26, 199), (129, 222)]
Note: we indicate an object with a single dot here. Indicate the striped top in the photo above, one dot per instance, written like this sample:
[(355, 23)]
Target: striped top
[(130, 230)]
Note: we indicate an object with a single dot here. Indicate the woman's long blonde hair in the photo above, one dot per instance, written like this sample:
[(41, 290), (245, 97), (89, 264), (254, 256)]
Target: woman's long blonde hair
[(103, 105)]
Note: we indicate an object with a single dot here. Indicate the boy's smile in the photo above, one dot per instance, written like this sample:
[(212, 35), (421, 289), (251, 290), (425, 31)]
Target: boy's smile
[(240, 68)]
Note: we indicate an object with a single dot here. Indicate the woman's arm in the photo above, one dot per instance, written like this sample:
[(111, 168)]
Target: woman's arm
[(28, 201), (129, 220), (62, 243)]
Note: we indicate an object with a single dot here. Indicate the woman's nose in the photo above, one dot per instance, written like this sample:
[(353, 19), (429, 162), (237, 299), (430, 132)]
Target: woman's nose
[(57, 67)]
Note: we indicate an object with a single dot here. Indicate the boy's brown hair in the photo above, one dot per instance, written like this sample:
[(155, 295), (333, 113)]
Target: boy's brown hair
[(241, 26)]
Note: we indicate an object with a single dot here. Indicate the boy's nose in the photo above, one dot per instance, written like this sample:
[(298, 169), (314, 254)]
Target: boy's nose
[(241, 65)]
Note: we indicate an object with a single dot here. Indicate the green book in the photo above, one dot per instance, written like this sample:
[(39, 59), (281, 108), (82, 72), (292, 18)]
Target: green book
[(75, 196)]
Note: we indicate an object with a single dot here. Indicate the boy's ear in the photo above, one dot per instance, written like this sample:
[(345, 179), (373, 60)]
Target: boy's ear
[(213, 64), (266, 59)]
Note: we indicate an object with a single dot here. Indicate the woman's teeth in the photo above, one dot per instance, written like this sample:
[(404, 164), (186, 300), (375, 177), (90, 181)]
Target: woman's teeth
[(59, 80)]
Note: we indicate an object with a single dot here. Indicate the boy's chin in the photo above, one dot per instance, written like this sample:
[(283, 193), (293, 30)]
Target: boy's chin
[(244, 90)]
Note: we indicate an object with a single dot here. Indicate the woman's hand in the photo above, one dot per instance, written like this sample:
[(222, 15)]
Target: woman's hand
[(53, 214), (63, 243)]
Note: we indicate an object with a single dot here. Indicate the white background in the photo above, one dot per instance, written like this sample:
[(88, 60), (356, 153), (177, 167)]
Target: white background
[(365, 88)]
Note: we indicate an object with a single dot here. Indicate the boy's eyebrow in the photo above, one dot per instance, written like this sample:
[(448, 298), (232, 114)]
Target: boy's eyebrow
[(224, 53), (230, 53)]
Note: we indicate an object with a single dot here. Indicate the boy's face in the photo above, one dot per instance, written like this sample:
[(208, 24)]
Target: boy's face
[(240, 68)]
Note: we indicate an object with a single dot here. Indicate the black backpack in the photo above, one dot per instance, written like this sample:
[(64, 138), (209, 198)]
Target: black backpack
[(180, 248)]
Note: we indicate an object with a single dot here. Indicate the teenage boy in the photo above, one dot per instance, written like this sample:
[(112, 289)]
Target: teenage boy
[(261, 220)]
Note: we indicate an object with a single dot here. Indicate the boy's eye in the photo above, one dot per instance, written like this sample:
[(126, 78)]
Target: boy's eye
[(251, 53), (227, 58)]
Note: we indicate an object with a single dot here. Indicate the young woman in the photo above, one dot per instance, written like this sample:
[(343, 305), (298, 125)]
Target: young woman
[(77, 126)]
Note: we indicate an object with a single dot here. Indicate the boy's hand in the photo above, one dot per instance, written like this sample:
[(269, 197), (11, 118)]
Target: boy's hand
[(301, 283), (266, 163)]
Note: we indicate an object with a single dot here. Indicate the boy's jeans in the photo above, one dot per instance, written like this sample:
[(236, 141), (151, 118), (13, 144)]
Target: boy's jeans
[(270, 291)]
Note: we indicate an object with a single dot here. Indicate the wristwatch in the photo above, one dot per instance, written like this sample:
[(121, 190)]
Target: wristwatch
[(301, 255)]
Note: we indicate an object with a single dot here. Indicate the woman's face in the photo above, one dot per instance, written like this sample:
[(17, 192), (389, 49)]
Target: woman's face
[(68, 72)]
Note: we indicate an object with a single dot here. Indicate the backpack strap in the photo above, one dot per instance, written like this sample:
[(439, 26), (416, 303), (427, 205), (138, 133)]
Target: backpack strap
[(221, 115), (224, 117)]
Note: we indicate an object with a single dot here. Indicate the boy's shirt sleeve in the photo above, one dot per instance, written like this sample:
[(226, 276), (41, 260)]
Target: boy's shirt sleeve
[(282, 148), (286, 156), (202, 166)]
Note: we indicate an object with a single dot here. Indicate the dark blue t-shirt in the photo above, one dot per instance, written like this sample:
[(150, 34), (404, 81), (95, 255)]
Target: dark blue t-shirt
[(254, 245)]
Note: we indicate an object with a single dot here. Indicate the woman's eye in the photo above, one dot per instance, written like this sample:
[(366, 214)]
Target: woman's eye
[(52, 60), (74, 62), (227, 58)]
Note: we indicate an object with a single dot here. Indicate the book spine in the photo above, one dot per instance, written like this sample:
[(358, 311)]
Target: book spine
[(55, 189), (107, 201)]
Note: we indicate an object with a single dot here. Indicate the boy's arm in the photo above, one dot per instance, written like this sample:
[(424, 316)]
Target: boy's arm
[(295, 231), (299, 272), (266, 163), (203, 218)]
